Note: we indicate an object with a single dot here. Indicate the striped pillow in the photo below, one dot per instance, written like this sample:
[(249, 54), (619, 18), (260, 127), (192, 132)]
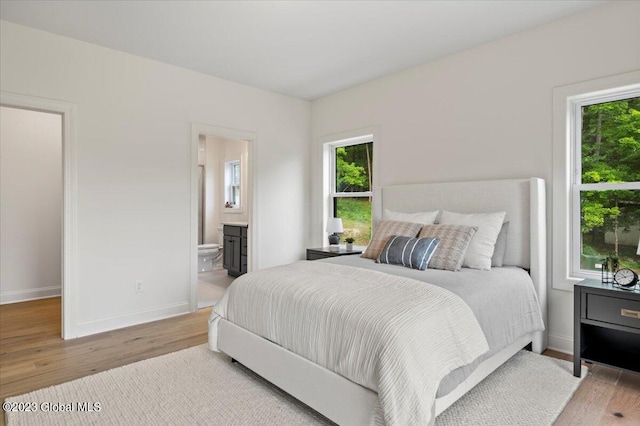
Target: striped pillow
[(406, 251), (454, 240), (386, 229)]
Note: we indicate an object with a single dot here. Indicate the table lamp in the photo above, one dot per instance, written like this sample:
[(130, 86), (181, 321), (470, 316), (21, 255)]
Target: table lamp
[(334, 227)]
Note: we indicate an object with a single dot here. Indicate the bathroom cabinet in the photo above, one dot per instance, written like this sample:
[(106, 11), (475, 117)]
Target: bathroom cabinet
[(235, 249)]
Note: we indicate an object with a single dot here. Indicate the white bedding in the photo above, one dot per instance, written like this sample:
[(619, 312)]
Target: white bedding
[(394, 335), (503, 300)]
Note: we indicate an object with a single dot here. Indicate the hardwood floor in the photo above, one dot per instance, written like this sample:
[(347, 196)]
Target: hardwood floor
[(33, 356), (606, 397)]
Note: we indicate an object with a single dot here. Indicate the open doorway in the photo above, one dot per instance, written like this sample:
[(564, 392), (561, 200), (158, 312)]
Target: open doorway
[(223, 190), (31, 208), (30, 205), (39, 212)]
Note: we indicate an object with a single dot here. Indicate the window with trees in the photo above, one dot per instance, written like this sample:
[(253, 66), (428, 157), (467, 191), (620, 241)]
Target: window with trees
[(351, 187), (605, 188)]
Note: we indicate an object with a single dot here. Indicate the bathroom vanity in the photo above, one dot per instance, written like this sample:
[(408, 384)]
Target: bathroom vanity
[(235, 249)]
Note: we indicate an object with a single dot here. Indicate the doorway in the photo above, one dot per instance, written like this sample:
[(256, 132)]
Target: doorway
[(31, 205), (222, 193), (38, 244)]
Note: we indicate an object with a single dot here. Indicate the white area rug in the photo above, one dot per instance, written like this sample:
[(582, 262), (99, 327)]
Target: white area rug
[(196, 386), (529, 389)]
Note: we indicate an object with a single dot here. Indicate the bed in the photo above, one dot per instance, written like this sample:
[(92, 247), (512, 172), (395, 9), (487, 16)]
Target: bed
[(349, 401)]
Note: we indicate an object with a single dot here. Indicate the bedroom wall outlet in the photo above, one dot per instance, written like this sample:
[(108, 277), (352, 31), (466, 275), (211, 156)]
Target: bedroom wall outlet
[(139, 286)]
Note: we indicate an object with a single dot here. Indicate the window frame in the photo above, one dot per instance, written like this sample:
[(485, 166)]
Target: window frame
[(232, 186), (329, 145), (577, 187), (567, 169), (333, 194), (235, 183)]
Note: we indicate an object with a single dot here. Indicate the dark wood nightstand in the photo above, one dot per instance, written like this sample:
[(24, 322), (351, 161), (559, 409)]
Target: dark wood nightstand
[(606, 326), (324, 252)]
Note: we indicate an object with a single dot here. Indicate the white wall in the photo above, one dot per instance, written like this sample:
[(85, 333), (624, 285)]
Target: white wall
[(134, 120), (30, 204), (482, 114)]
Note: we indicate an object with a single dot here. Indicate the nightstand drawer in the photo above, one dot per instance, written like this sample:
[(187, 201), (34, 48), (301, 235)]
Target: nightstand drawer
[(326, 252), (316, 256), (613, 310)]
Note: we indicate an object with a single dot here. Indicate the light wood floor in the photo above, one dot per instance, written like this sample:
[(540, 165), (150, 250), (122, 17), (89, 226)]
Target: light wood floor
[(607, 396), (33, 356)]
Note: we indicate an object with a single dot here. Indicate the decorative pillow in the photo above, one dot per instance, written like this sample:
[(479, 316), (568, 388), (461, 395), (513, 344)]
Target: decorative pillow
[(386, 229), (481, 249), (425, 218), (454, 240), (406, 251), (501, 246)]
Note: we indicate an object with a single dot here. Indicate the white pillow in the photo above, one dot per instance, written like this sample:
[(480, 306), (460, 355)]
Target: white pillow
[(424, 218), (480, 250)]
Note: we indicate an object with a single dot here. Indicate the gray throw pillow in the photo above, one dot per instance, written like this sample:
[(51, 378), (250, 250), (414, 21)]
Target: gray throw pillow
[(410, 252)]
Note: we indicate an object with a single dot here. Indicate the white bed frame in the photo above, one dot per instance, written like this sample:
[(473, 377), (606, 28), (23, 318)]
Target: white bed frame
[(347, 403)]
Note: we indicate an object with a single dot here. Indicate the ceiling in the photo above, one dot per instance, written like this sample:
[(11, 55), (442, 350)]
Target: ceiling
[(304, 49)]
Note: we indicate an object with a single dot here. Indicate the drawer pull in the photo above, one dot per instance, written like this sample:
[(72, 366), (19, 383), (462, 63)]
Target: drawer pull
[(629, 313)]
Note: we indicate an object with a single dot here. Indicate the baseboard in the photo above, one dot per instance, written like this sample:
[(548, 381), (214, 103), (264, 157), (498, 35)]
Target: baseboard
[(30, 294), (134, 318), (562, 344)]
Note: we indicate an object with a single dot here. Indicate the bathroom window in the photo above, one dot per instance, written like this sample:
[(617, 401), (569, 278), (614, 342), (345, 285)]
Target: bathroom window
[(232, 184)]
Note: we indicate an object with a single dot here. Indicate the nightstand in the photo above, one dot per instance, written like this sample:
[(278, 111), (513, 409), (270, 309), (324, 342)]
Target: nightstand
[(325, 252), (606, 326)]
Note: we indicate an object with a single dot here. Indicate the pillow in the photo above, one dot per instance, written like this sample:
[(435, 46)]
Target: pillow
[(425, 218), (406, 251), (481, 249), (501, 246), (454, 240), (386, 229)]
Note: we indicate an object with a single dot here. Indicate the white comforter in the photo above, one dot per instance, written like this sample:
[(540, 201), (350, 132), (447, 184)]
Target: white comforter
[(394, 335)]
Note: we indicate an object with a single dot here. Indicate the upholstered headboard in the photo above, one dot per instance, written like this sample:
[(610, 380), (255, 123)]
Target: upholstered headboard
[(522, 199)]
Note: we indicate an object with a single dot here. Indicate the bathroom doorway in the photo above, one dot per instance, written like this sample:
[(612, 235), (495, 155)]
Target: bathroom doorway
[(224, 196)]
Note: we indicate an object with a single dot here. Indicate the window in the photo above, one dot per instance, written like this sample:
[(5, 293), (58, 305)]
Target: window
[(605, 187), (232, 184), (351, 177), (595, 189)]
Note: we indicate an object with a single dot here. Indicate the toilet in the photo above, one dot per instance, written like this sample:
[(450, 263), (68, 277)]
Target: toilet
[(207, 257), (210, 255)]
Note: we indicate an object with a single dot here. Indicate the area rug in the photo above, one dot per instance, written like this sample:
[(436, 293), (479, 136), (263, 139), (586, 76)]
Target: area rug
[(197, 386)]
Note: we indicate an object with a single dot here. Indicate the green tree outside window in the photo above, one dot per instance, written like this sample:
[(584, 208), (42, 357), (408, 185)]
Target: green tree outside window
[(610, 153)]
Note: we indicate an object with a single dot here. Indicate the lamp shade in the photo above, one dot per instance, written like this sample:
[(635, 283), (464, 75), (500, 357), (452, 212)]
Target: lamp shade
[(334, 225)]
